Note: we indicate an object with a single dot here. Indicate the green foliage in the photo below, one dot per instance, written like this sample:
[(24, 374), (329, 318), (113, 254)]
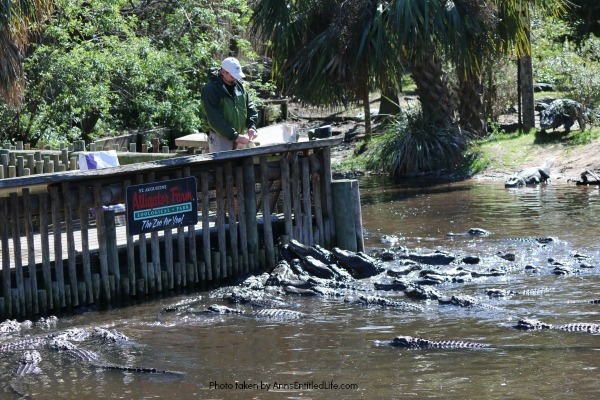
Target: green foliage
[(573, 69), (106, 66), (414, 144)]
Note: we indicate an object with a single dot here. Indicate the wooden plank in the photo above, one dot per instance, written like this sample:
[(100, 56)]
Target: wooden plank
[(45, 245), (84, 219), (71, 252), (221, 234), (206, 226), (130, 254), (286, 193), (233, 226), (325, 161), (6, 275), (55, 203), (239, 177), (316, 197), (102, 248), (112, 254), (267, 228), (307, 231), (250, 203), (296, 198), (143, 251), (28, 223)]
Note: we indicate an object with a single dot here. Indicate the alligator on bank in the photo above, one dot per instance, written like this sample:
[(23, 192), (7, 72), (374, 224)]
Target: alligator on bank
[(533, 324), (531, 175), (562, 112), (415, 343)]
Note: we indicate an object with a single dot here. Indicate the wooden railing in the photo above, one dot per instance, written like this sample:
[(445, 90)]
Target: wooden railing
[(63, 247)]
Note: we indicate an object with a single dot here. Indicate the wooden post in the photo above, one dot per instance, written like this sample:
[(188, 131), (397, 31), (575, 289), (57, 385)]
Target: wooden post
[(71, 251), (102, 251), (6, 278), (30, 248), (343, 205), (58, 255), (239, 177), (112, 253), (84, 222), (45, 243), (221, 222), (233, 228), (206, 226), (267, 228), (250, 204)]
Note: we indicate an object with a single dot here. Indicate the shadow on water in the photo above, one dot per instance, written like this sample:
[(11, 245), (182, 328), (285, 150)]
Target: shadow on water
[(331, 352)]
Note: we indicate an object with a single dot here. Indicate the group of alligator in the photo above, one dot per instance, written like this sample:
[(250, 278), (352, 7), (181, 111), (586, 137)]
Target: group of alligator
[(390, 277), (364, 280), (62, 342)]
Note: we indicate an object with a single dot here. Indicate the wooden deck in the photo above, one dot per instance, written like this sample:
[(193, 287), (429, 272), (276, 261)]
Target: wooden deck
[(46, 271)]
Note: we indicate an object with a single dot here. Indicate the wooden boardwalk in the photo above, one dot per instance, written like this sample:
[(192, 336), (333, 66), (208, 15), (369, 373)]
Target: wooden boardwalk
[(44, 270)]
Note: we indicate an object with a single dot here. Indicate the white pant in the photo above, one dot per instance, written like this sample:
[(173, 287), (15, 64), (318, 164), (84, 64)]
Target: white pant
[(217, 143)]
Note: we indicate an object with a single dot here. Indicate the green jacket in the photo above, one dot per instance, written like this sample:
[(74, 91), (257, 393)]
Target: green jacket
[(228, 115)]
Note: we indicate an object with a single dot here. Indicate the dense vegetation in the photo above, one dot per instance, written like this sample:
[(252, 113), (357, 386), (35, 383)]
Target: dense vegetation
[(100, 67)]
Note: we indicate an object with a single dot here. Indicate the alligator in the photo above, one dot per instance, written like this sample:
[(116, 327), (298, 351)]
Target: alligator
[(91, 358), (472, 232), (562, 112), (274, 313), (533, 324), (389, 240), (415, 343), (465, 301), (530, 176), (28, 363), (386, 303), (422, 293), (60, 342), (508, 293)]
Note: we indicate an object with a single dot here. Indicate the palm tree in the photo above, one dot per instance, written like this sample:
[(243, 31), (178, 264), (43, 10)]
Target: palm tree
[(506, 31), (17, 20), (329, 53), (332, 52)]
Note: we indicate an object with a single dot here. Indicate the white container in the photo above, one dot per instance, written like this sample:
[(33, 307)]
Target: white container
[(275, 134)]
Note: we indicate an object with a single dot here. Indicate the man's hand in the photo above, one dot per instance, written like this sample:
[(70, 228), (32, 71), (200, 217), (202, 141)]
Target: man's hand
[(242, 139), (252, 134)]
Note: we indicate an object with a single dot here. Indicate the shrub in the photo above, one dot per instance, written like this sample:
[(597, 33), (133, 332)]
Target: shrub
[(413, 145)]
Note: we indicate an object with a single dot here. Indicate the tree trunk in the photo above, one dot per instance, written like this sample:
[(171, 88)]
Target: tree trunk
[(433, 88), (390, 102), (471, 106), (527, 98)]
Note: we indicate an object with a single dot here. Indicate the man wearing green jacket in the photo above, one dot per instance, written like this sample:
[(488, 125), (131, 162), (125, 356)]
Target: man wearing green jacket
[(230, 112)]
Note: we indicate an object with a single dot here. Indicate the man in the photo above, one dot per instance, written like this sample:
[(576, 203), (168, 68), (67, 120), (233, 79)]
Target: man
[(228, 108)]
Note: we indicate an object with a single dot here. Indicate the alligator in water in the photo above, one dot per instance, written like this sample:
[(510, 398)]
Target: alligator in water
[(530, 176), (562, 112), (472, 232), (387, 303), (533, 324), (273, 313), (60, 342), (415, 343)]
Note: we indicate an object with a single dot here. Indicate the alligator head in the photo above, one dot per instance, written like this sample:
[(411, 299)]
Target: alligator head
[(532, 324)]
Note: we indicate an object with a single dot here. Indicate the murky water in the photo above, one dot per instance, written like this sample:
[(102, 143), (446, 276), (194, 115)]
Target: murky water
[(331, 353)]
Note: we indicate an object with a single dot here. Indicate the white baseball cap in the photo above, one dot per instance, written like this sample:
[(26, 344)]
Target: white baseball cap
[(232, 65)]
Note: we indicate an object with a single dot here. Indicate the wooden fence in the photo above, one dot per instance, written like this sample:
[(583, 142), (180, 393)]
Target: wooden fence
[(63, 246)]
